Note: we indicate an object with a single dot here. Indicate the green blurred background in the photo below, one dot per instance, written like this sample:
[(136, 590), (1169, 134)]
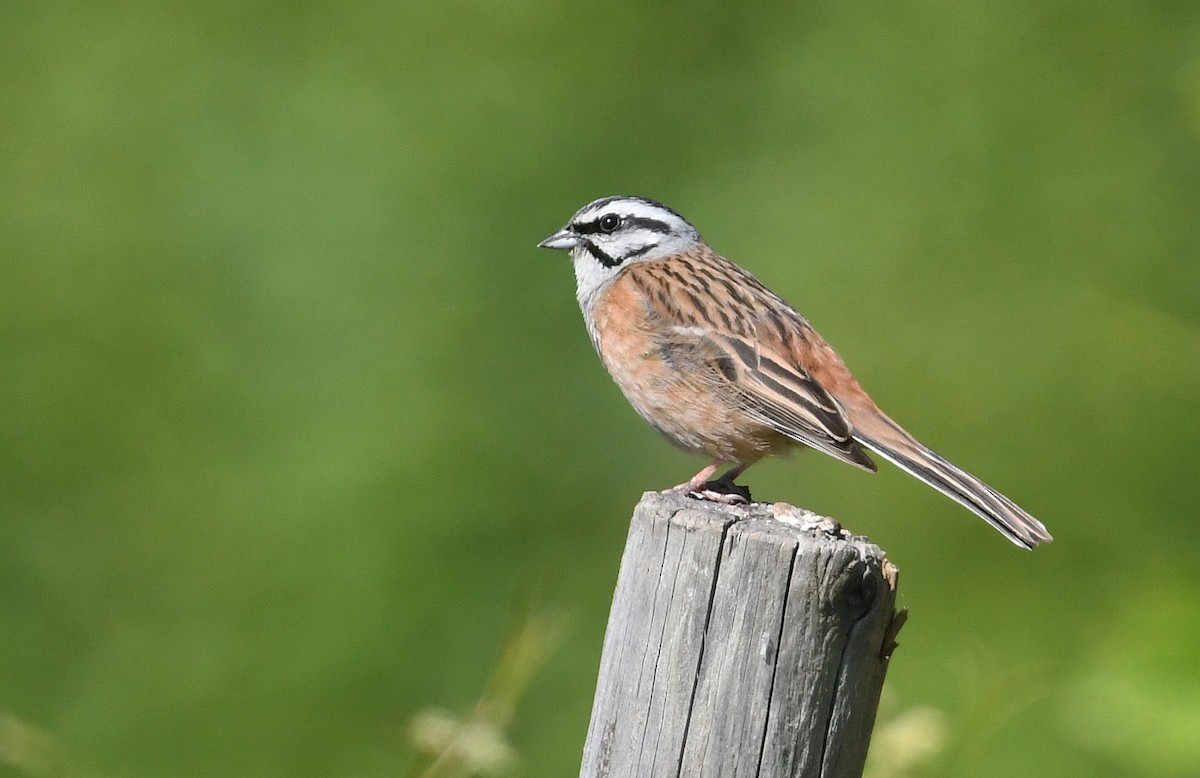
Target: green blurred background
[(297, 423)]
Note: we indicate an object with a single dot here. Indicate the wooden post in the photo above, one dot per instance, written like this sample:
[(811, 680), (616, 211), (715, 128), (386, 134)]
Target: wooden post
[(742, 641)]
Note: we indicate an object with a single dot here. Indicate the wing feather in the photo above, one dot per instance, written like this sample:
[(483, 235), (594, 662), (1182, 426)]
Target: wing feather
[(785, 397)]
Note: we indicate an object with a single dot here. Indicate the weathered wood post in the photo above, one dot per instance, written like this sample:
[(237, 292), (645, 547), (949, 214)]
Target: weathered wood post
[(742, 641)]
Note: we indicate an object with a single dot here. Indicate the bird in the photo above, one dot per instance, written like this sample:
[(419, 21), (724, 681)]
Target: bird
[(721, 366)]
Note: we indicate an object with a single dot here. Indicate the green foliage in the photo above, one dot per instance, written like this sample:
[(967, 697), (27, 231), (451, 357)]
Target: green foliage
[(292, 410)]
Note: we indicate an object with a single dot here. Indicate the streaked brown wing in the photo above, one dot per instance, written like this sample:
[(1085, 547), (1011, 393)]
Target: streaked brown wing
[(785, 399), (785, 396)]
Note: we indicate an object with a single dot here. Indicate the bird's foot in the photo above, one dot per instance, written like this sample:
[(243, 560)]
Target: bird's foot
[(739, 497), (719, 490), (722, 490)]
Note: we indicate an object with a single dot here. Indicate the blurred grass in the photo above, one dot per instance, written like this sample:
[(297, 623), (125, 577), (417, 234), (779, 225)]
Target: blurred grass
[(476, 744), (292, 410)]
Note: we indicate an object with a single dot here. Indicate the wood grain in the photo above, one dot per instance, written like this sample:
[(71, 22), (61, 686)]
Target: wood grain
[(742, 641)]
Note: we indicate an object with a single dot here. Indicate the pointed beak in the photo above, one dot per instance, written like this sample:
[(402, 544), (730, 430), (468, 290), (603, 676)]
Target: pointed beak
[(563, 240)]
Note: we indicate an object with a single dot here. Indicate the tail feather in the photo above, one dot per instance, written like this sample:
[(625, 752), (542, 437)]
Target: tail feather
[(893, 443)]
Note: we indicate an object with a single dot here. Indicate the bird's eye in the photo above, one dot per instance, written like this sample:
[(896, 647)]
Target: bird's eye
[(609, 222)]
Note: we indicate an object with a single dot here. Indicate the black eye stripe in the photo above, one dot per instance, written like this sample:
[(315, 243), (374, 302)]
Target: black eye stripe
[(587, 228), (654, 225)]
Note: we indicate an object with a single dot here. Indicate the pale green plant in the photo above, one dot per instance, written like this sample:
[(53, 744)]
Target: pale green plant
[(31, 751), (476, 744)]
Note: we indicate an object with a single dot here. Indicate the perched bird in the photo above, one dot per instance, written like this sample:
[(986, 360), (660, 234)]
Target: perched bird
[(722, 366)]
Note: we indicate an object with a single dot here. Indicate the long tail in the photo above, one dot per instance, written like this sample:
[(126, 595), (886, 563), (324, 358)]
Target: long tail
[(893, 443)]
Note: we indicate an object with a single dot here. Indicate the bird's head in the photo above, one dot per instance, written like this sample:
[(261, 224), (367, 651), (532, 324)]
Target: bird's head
[(611, 233)]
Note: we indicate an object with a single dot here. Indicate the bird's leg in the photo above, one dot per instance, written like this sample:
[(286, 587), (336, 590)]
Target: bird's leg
[(722, 490), (725, 488), (696, 482)]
